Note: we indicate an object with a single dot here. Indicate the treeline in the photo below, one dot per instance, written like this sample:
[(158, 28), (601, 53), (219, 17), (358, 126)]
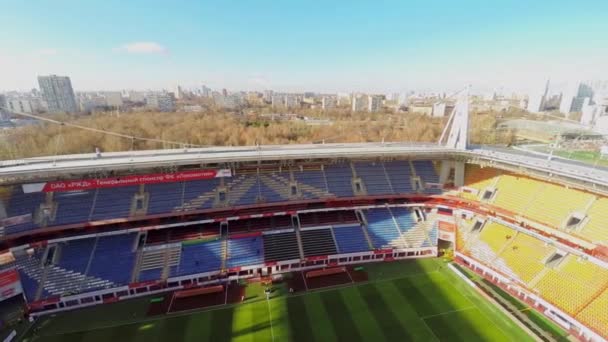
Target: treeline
[(224, 129)]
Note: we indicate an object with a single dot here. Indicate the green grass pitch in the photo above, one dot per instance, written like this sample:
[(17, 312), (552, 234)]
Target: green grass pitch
[(415, 300)]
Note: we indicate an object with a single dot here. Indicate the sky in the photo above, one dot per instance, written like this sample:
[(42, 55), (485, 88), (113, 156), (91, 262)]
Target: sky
[(323, 46)]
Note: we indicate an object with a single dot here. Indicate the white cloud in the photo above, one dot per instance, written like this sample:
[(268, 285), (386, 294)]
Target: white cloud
[(144, 48)]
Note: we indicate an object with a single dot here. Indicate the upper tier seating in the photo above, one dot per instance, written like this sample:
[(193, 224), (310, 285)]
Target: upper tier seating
[(426, 171), (478, 178), (164, 197), (312, 182), (374, 177), (596, 229), (554, 203), (399, 174), (318, 242), (245, 251), (350, 239), (515, 193), (73, 206), (339, 180), (246, 187), (113, 202)]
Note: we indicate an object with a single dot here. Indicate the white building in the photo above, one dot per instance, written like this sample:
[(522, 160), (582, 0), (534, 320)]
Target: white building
[(292, 101), (374, 103), (438, 110), (536, 101), (162, 102), (358, 103), (113, 98), (328, 102), (58, 93), (268, 96)]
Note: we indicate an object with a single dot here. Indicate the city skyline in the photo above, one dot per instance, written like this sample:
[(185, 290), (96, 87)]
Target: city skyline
[(260, 46)]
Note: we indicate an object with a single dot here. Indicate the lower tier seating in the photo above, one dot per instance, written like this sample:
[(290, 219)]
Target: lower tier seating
[(281, 246), (318, 242), (350, 239), (245, 251)]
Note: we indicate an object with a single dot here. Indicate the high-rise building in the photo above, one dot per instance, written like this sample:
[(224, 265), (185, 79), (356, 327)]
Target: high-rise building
[(374, 103), (536, 101), (58, 93), (359, 103), (268, 96)]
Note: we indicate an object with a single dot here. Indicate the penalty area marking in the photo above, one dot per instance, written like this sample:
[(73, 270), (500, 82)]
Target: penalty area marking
[(349, 277)]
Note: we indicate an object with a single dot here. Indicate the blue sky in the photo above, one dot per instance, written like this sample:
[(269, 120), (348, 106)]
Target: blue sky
[(376, 46)]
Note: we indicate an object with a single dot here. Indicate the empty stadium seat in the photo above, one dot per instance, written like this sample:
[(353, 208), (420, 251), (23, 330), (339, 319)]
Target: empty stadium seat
[(281, 246), (350, 238), (318, 242), (245, 251)]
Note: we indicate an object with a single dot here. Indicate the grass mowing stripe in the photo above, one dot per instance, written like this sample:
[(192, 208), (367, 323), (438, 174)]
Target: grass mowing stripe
[(390, 326), (221, 324), (199, 327), (280, 324), (405, 313), (369, 330), (339, 315), (322, 329), (301, 329)]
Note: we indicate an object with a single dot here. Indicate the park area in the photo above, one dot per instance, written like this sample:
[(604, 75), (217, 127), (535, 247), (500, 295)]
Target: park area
[(421, 300)]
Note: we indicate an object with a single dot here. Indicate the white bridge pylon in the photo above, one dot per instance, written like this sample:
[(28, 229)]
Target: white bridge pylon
[(457, 131), (457, 127)]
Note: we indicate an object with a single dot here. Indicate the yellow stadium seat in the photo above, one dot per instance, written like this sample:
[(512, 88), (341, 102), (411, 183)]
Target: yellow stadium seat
[(595, 315), (554, 204), (572, 284), (596, 229), (526, 256)]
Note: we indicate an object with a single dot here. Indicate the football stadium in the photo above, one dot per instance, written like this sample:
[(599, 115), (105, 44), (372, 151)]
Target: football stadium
[(320, 242)]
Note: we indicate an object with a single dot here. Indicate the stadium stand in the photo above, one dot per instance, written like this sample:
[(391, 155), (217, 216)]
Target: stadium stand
[(245, 251), (595, 228), (245, 188), (572, 284), (350, 238), (478, 178), (75, 254), (399, 174), (113, 202), (318, 242), (312, 182), (164, 197), (199, 257), (113, 258), (374, 177), (339, 180), (595, 315), (382, 228), (73, 206), (426, 171), (281, 246), (554, 203)]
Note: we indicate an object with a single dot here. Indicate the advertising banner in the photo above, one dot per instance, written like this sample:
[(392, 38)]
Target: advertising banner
[(87, 184)]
